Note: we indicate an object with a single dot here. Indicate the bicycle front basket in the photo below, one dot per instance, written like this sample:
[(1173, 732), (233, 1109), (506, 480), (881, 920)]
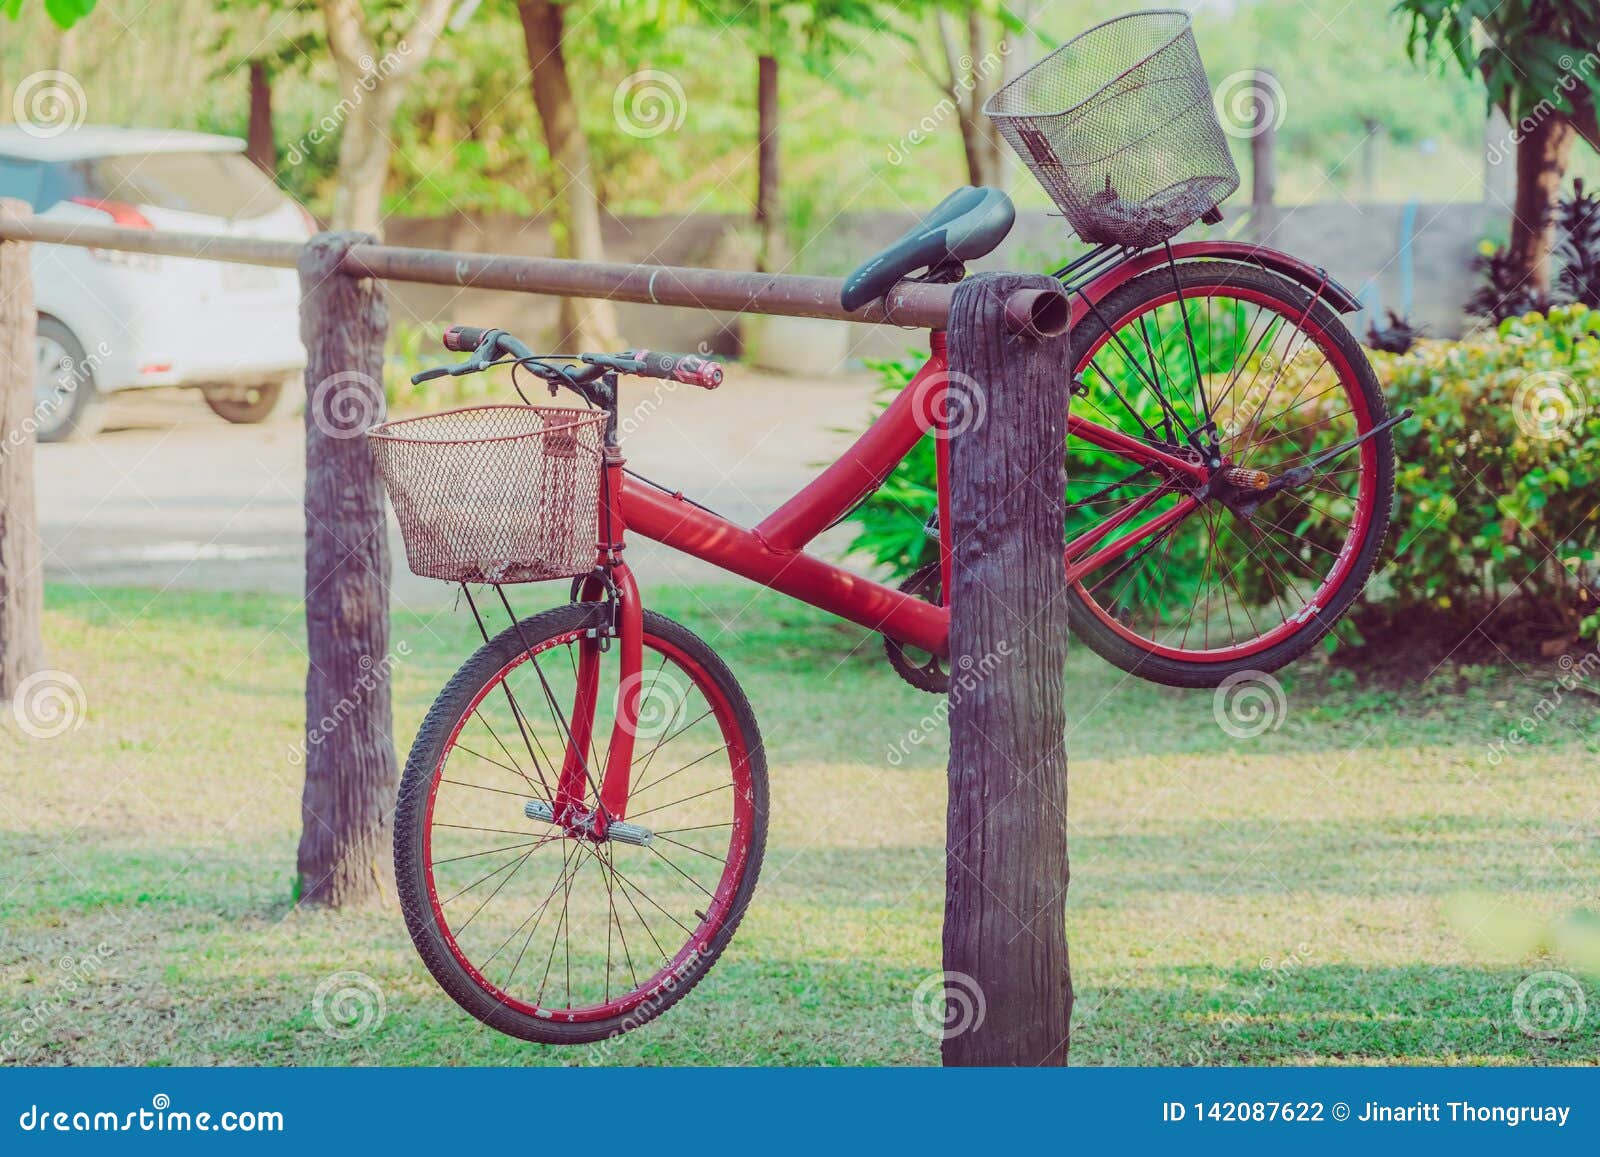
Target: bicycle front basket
[(495, 494), (1119, 127)]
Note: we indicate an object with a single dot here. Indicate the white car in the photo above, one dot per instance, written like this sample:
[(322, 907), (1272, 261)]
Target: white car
[(111, 321)]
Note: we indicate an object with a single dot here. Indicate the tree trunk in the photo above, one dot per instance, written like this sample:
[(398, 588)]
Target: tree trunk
[(372, 91), (968, 86), (773, 254), (260, 145), (363, 169), (1542, 155), (351, 773), (1006, 974), (584, 324), (1263, 160), (986, 73), (21, 584)]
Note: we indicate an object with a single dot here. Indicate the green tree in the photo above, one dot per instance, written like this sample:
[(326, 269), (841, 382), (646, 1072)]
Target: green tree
[(976, 38), (378, 48), (1538, 63), (65, 13), (781, 33)]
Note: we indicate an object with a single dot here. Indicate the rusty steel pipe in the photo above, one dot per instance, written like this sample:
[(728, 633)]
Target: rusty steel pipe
[(202, 246), (913, 304), (1038, 313)]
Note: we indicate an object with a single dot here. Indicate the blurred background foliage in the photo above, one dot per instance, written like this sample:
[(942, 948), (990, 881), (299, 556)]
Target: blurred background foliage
[(468, 139)]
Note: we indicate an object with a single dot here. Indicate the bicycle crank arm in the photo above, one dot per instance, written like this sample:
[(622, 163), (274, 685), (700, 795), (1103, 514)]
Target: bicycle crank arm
[(623, 833)]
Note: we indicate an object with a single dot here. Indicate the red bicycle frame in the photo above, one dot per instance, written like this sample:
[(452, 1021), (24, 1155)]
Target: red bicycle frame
[(773, 552)]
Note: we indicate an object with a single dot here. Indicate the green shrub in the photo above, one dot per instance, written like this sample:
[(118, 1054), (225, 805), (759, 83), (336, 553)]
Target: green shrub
[(1497, 485), (1499, 470)]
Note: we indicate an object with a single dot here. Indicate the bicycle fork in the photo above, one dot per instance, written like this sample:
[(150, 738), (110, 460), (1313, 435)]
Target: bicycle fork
[(614, 583)]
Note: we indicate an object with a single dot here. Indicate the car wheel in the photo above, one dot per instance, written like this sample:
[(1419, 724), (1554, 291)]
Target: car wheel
[(65, 403), (245, 405)]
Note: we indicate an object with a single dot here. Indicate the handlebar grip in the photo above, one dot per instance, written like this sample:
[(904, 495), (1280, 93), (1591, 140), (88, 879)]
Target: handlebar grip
[(464, 339), (688, 368)]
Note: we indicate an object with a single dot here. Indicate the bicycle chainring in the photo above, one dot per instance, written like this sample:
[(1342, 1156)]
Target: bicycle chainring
[(931, 674)]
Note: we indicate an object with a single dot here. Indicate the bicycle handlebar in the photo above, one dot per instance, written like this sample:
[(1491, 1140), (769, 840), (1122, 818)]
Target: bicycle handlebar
[(464, 339), (691, 369), (487, 345)]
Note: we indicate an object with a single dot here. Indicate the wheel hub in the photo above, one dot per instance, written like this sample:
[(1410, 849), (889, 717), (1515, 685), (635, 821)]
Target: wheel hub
[(585, 824)]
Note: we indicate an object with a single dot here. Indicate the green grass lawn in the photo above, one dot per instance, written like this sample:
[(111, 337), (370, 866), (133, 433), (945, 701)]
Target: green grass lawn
[(1365, 884)]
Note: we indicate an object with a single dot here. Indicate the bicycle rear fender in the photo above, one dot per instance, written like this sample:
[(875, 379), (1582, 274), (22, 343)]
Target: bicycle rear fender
[(1314, 278)]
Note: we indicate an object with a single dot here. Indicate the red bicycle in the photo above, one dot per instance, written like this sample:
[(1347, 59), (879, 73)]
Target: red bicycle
[(584, 810)]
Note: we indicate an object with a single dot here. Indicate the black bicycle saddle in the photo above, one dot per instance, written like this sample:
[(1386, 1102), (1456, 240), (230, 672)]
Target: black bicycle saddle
[(965, 225)]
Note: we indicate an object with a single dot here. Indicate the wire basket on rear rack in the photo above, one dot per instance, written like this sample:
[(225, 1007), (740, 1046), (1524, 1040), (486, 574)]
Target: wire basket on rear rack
[(1118, 126), (495, 494)]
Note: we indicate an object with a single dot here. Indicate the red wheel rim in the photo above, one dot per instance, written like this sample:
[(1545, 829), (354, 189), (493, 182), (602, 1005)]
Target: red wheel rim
[(715, 914), (1344, 563)]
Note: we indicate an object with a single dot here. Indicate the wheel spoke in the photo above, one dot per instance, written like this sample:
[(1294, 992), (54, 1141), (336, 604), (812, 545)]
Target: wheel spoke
[(1244, 349)]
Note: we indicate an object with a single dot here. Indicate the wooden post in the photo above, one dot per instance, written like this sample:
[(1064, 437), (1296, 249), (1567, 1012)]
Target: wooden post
[(1263, 159), (351, 774), (21, 583), (1005, 947)]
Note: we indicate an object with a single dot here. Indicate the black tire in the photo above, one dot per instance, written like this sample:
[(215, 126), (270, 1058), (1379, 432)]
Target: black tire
[(412, 873), (1123, 303), (247, 405), (76, 410)]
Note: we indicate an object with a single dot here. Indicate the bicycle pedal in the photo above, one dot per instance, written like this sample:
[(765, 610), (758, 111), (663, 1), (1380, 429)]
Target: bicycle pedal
[(1247, 479)]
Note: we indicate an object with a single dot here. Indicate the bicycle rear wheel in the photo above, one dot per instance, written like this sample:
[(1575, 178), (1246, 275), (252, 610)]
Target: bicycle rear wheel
[(1226, 587), (535, 928)]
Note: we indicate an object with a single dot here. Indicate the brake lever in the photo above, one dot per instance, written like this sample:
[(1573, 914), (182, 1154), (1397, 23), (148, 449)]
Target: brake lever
[(472, 365)]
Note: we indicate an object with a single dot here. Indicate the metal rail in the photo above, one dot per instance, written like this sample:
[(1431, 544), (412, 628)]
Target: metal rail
[(913, 304)]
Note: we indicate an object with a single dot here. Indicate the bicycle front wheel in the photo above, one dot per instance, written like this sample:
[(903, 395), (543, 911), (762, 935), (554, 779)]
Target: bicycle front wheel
[(534, 927), (1228, 578)]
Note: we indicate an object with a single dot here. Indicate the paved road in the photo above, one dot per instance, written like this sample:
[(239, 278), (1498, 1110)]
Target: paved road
[(170, 495)]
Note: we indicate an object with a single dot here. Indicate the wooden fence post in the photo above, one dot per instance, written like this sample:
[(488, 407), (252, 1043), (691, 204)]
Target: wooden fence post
[(21, 582), (1005, 947), (347, 811)]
